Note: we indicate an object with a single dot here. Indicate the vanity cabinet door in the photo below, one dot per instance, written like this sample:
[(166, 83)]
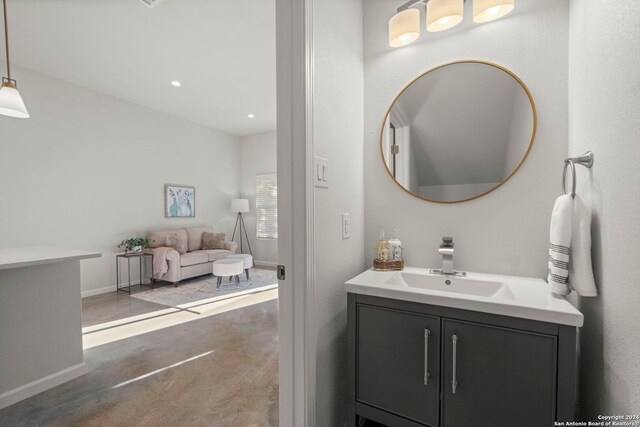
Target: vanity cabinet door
[(395, 352), (496, 376)]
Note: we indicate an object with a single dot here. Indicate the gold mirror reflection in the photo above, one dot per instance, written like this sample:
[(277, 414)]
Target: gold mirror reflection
[(458, 131)]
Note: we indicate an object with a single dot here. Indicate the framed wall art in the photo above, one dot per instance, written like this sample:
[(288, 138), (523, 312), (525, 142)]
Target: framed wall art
[(179, 201)]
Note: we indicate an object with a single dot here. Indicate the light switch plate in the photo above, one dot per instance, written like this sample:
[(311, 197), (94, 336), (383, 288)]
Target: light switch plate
[(321, 172), (346, 226)]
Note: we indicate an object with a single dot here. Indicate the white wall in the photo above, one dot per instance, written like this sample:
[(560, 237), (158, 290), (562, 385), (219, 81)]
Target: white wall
[(88, 170), (257, 156), (337, 135), (604, 100), (507, 230)]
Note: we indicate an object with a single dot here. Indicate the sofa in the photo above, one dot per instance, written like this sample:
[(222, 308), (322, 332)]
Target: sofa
[(196, 261)]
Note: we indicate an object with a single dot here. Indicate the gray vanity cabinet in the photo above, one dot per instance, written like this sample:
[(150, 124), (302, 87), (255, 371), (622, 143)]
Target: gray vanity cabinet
[(484, 369), (499, 376), (399, 363)]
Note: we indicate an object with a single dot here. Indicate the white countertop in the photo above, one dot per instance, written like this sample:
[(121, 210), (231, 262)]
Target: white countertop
[(26, 257), (522, 297)]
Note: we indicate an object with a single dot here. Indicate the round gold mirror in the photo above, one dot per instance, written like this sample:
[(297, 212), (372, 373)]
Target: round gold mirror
[(458, 131)]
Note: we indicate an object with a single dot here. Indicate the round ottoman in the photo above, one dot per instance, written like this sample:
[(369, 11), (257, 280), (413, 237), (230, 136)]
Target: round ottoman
[(228, 267), (247, 261)]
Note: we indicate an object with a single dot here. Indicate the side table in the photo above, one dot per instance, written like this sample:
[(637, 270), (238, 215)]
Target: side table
[(141, 257)]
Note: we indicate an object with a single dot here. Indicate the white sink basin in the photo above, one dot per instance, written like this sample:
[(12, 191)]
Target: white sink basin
[(456, 285), (523, 297)]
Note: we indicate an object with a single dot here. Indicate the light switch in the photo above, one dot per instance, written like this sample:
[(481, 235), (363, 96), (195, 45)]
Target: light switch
[(321, 172), (346, 226)]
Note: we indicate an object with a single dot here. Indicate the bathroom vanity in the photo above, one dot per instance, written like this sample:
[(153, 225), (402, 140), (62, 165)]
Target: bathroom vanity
[(484, 350)]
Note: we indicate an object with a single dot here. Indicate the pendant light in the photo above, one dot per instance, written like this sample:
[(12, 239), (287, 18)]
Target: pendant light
[(11, 103), (404, 27), (444, 14), (489, 10)]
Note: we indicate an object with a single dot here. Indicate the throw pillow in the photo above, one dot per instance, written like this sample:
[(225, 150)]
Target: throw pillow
[(175, 241), (214, 241)]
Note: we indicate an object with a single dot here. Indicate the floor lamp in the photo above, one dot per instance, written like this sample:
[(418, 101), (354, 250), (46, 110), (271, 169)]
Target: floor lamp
[(240, 206)]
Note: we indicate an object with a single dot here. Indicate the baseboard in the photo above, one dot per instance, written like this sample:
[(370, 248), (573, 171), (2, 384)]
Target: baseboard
[(97, 291), (265, 263), (105, 289), (38, 386)]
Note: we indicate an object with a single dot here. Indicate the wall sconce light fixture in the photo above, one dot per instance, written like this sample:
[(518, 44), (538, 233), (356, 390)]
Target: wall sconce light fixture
[(490, 10), (404, 26), (444, 14)]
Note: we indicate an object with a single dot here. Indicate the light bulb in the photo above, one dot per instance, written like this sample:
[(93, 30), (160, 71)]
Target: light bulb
[(445, 20), (493, 10), (404, 37), (176, 83)]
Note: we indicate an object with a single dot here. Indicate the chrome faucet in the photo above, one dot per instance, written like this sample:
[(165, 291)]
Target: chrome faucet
[(446, 250)]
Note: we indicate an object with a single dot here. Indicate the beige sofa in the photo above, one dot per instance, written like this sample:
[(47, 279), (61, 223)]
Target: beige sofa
[(196, 262)]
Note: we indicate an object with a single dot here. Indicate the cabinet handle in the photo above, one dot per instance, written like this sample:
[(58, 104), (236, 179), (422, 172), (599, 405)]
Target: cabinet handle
[(426, 356), (454, 380)]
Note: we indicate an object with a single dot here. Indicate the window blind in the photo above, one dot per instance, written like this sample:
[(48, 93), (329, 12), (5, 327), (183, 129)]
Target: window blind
[(267, 206)]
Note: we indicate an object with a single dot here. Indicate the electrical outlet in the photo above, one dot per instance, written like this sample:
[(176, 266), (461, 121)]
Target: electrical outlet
[(346, 226)]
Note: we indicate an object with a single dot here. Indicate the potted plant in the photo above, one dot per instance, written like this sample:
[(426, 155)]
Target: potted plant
[(134, 245)]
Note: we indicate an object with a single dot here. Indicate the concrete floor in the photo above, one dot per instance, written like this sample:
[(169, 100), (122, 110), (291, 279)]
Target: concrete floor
[(228, 375)]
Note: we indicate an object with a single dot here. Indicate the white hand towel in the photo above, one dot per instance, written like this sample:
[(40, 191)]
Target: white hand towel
[(580, 269), (560, 245)]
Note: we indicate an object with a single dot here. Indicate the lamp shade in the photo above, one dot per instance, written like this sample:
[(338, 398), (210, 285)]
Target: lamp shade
[(11, 103), (404, 27), (444, 14), (240, 205), (488, 10)]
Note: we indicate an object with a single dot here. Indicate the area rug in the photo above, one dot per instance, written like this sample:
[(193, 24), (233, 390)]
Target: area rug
[(204, 289)]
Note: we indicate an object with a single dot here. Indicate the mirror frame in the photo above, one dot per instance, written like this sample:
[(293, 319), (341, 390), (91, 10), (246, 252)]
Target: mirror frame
[(464, 61)]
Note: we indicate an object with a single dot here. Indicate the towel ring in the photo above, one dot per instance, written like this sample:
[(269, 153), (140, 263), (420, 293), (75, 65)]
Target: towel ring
[(568, 162), (585, 160)]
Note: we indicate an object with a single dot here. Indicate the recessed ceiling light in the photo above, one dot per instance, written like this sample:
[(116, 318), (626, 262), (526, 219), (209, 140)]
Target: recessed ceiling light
[(251, 116), (176, 83)]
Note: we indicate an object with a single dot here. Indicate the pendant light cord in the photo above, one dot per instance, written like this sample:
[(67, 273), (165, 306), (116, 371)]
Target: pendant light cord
[(6, 37)]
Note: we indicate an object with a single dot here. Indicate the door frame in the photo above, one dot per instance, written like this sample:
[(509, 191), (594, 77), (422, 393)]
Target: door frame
[(297, 353), (403, 140)]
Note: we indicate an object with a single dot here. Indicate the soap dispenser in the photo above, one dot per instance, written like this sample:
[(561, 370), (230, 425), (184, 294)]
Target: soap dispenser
[(395, 247), (382, 247)]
